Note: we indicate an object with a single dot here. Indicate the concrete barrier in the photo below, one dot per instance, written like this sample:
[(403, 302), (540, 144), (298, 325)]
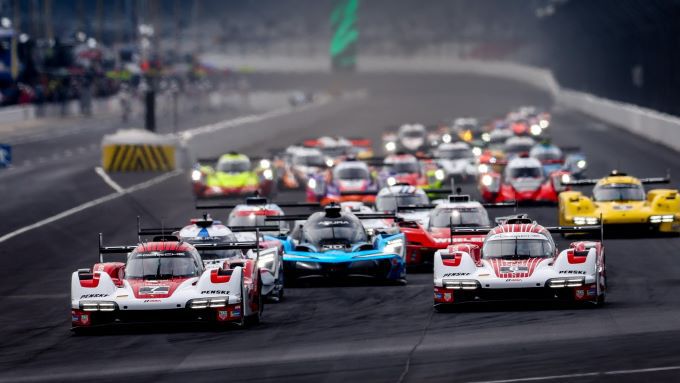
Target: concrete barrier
[(140, 150)]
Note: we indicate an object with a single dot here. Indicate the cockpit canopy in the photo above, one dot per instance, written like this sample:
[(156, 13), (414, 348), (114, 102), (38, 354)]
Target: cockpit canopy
[(338, 232), (159, 265), (460, 216)]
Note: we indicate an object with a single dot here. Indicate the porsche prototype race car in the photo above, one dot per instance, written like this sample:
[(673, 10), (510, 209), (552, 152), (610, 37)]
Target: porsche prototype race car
[(232, 175), (524, 182), (620, 201), (518, 260), (167, 281), (334, 244)]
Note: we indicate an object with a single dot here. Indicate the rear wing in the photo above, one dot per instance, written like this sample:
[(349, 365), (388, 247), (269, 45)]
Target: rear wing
[(456, 230), (279, 218), (260, 202), (645, 181)]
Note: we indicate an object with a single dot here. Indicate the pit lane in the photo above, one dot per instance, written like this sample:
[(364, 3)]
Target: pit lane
[(362, 333)]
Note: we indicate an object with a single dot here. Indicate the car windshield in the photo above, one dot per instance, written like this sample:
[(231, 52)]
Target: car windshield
[(455, 154), (518, 148), (404, 167), (233, 166), (327, 233), (459, 216), (527, 172), (207, 255), (310, 160), (251, 220), (517, 248), (543, 154), (390, 202), (619, 192), (414, 134), (162, 265), (348, 173)]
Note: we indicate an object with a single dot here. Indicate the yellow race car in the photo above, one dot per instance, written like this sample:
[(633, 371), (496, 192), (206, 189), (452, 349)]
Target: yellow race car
[(621, 202)]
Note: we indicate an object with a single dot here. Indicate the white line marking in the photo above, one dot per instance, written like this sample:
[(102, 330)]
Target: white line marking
[(585, 374), (114, 185), (89, 204)]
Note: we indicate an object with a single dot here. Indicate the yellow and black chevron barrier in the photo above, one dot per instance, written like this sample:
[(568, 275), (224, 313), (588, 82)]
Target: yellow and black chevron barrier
[(130, 158)]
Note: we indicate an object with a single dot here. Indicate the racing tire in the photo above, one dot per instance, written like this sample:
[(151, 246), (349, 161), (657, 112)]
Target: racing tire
[(255, 319)]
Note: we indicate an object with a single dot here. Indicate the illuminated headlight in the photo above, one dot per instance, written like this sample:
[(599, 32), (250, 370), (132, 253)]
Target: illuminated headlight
[(395, 246), (463, 284), (390, 146), (477, 151), (196, 175), (330, 163), (486, 137), (559, 283), (581, 164), (265, 164), (311, 183), (439, 174), (391, 181), (204, 303), (268, 174), (487, 180), (536, 130), (483, 168), (661, 218), (586, 220), (446, 138), (565, 179), (98, 306), (544, 123)]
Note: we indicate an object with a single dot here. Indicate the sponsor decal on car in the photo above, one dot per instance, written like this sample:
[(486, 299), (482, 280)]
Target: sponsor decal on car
[(580, 293), (455, 274), (153, 290), (513, 280), (152, 300), (573, 272), (85, 296), (514, 269), (214, 292)]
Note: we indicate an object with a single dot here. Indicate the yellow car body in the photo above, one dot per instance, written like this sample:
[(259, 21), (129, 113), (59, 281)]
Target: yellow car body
[(658, 212)]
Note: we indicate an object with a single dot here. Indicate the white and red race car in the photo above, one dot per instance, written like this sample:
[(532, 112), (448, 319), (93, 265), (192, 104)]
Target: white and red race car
[(518, 261), (165, 281)]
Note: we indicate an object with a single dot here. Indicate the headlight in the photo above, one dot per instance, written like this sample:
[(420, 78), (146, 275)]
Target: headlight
[(586, 220), (446, 138), (558, 283), (661, 218), (395, 246), (544, 123), (391, 181), (581, 164), (483, 168), (565, 179), (98, 306), (268, 174), (439, 175), (204, 303), (196, 175), (266, 261), (477, 151), (390, 146), (487, 180), (463, 284), (265, 164), (486, 137), (329, 162), (536, 130), (311, 183)]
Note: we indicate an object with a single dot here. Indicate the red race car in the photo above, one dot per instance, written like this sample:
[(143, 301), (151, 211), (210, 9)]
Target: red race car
[(524, 181)]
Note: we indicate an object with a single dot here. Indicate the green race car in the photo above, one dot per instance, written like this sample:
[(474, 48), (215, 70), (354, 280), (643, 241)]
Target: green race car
[(233, 175)]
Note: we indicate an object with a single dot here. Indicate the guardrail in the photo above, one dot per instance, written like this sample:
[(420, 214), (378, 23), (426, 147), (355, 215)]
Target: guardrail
[(649, 124)]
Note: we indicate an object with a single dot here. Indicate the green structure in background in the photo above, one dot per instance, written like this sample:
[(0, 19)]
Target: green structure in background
[(343, 48)]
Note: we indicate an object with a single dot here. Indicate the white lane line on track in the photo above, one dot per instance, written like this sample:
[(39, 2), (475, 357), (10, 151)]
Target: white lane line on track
[(186, 135), (114, 185), (582, 375), (87, 205)]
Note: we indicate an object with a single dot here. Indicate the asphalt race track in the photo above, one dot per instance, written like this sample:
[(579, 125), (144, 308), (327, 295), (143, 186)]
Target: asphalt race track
[(337, 333)]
